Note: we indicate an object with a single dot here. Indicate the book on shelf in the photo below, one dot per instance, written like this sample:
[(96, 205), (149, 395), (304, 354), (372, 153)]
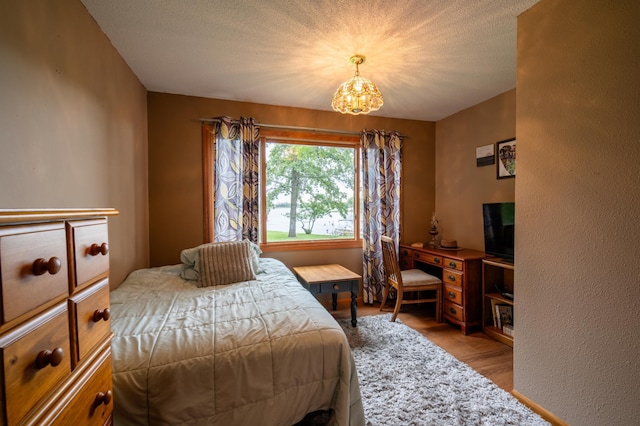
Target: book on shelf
[(508, 329), (505, 315), (494, 315), (502, 314)]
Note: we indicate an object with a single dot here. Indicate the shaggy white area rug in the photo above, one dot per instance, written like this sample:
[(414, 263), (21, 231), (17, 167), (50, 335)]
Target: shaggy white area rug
[(407, 380)]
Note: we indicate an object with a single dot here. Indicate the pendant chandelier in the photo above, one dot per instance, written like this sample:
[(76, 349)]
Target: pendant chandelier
[(358, 95)]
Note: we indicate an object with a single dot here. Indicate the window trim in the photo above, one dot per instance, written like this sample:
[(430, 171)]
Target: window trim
[(208, 180)]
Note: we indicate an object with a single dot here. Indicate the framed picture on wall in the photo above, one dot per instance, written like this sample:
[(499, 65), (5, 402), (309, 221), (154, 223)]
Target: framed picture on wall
[(506, 162), (485, 155)]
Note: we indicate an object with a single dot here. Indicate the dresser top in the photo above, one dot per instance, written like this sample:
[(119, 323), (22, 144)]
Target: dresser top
[(38, 215)]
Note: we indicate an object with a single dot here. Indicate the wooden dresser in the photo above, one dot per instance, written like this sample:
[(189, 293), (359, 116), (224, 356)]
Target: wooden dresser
[(461, 274), (55, 333)]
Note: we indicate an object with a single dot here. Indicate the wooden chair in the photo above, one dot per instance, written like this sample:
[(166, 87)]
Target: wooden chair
[(410, 280)]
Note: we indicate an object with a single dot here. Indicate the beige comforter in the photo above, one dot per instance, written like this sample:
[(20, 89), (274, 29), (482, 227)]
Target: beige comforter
[(261, 352)]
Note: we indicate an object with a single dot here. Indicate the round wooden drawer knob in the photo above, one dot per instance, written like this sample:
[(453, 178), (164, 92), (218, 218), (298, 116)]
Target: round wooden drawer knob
[(101, 315), (103, 398), (96, 249), (47, 357), (41, 266)]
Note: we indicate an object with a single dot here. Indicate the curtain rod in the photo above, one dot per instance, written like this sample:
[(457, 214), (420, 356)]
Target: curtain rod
[(279, 126)]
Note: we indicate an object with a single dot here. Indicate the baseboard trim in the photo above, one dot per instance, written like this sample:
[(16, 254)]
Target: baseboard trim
[(542, 412)]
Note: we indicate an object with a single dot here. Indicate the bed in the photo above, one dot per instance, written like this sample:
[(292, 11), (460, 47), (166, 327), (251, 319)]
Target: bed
[(257, 352)]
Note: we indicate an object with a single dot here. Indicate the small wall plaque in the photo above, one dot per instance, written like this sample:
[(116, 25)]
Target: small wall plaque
[(485, 155)]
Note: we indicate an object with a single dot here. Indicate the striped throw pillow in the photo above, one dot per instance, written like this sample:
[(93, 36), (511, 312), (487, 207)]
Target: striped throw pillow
[(225, 263)]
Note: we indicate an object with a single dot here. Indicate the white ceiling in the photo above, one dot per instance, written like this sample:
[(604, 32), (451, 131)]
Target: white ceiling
[(429, 58)]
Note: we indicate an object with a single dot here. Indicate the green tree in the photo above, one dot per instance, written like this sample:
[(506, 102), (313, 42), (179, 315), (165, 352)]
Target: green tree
[(312, 177)]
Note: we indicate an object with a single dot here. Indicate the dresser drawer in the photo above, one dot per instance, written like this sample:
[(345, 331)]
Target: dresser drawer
[(90, 243), (452, 277), (453, 294), (92, 405), (35, 359), (430, 258), (453, 264), (453, 310), (90, 318), (33, 267)]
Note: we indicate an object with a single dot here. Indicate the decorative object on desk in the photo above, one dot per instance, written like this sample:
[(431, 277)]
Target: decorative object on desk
[(431, 387), (506, 164), (448, 245), (433, 230), (485, 155), (417, 245)]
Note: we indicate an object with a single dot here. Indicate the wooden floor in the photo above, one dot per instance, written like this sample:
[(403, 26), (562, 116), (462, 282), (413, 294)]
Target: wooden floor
[(488, 357)]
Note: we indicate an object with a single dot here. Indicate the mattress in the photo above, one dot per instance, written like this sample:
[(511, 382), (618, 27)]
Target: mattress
[(260, 352)]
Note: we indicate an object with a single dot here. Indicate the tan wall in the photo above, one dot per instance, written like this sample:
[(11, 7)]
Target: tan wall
[(73, 125), (175, 171), (577, 207), (461, 186)]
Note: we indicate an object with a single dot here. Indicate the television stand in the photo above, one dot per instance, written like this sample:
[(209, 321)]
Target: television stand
[(497, 296)]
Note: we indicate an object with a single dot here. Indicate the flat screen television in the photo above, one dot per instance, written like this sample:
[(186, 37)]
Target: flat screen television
[(499, 226)]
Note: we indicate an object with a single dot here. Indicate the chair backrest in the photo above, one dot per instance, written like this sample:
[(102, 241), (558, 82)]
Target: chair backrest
[(390, 260)]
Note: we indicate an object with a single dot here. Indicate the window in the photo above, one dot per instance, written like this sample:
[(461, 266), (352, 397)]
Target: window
[(310, 194), (309, 189)]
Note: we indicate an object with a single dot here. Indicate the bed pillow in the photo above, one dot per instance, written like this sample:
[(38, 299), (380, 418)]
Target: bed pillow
[(225, 263), (255, 257), (191, 261)]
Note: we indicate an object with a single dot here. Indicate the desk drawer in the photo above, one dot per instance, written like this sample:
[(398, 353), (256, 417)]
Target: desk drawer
[(453, 294), (453, 264), (406, 258), (430, 258), (333, 287), (452, 277), (453, 310)]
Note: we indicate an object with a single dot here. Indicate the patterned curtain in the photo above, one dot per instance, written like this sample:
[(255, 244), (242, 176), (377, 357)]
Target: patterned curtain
[(381, 165), (236, 191)]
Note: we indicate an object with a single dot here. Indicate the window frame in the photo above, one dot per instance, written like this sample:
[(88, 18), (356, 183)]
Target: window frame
[(301, 137)]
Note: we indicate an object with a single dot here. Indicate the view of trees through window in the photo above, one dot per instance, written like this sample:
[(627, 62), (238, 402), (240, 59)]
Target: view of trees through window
[(310, 191)]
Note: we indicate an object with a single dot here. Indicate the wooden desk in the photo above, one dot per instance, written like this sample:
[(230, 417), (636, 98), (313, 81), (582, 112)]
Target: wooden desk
[(461, 274), (333, 279)]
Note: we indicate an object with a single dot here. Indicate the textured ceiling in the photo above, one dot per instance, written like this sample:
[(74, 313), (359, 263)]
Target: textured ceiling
[(430, 58)]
